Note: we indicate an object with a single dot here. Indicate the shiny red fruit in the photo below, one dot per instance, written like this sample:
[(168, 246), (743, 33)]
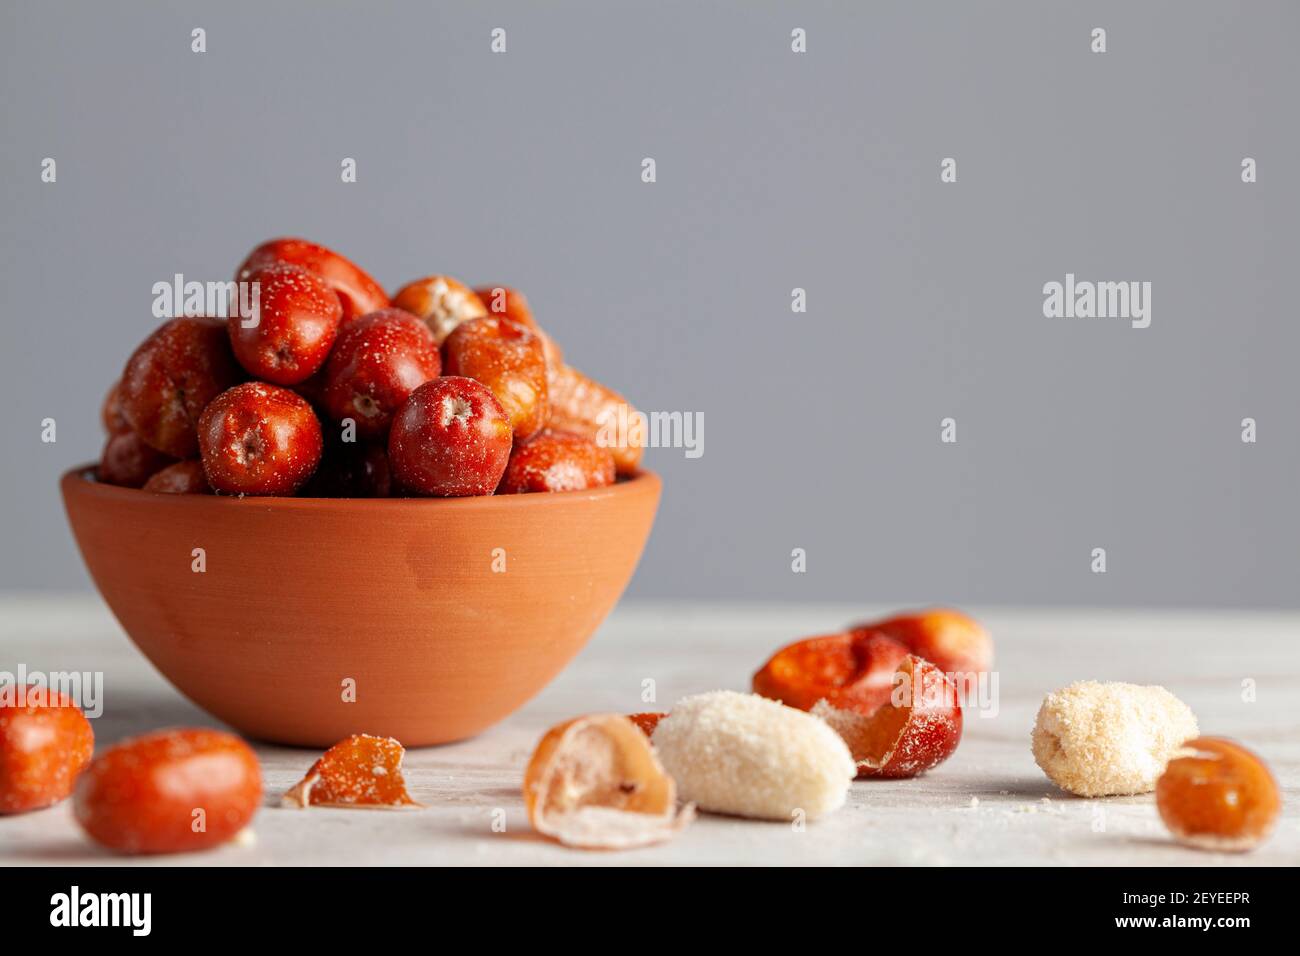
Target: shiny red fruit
[(557, 461), (450, 438), (297, 322), (181, 478), (357, 292), (257, 439), (170, 379), (509, 360), (378, 361), (45, 741), (128, 461), (110, 412), (169, 792)]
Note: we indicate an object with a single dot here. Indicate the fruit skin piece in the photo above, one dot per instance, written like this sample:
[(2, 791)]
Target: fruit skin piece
[(745, 755), (351, 470), (298, 320), (508, 303), (852, 670), (141, 795), (182, 478), (556, 461), (360, 771), (257, 439), (954, 642), (357, 292), (595, 783), (45, 741), (110, 413), (440, 302), (581, 404), (127, 461), (451, 439), (509, 360), (170, 379), (646, 722), (915, 731), (1109, 739), (1217, 795), (378, 360)]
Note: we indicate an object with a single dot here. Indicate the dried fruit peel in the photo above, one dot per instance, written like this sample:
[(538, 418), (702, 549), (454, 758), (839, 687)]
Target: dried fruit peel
[(1108, 739), (852, 670), (647, 721), (917, 729), (362, 771), (595, 783), (745, 755)]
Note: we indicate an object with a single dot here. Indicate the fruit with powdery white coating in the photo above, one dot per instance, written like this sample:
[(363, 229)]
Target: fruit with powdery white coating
[(451, 439), (45, 741), (508, 359), (297, 322), (441, 302), (507, 303), (917, 729), (357, 292), (181, 478), (128, 462), (557, 461), (257, 439), (378, 361), (148, 794), (170, 379)]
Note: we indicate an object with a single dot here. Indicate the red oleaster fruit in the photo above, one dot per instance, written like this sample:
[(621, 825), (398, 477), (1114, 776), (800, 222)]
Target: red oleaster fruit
[(45, 741), (170, 379), (441, 302), (351, 470), (357, 292), (451, 438), (557, 461), (257, 439), (507, 303), (917, 729), (509, 360), (110, 413), (169, 792), (181, 478), (297, 321), (954, 642), (378, 361), (128, 461), (853, 670)]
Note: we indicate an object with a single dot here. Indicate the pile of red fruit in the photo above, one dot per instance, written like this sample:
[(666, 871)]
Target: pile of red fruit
[(337, 391)]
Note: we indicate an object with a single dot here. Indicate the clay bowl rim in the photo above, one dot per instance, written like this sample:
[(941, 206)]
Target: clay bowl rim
[(82, 479)]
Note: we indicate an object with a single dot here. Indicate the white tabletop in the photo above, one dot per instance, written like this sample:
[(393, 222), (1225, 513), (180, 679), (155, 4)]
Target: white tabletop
[(989, 804)]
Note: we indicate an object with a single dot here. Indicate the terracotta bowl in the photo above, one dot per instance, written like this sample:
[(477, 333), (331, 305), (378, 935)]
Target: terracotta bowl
[(301, 596)]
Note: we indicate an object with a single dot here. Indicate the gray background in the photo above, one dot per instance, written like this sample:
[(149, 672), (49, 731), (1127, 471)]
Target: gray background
[(775, 170)]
